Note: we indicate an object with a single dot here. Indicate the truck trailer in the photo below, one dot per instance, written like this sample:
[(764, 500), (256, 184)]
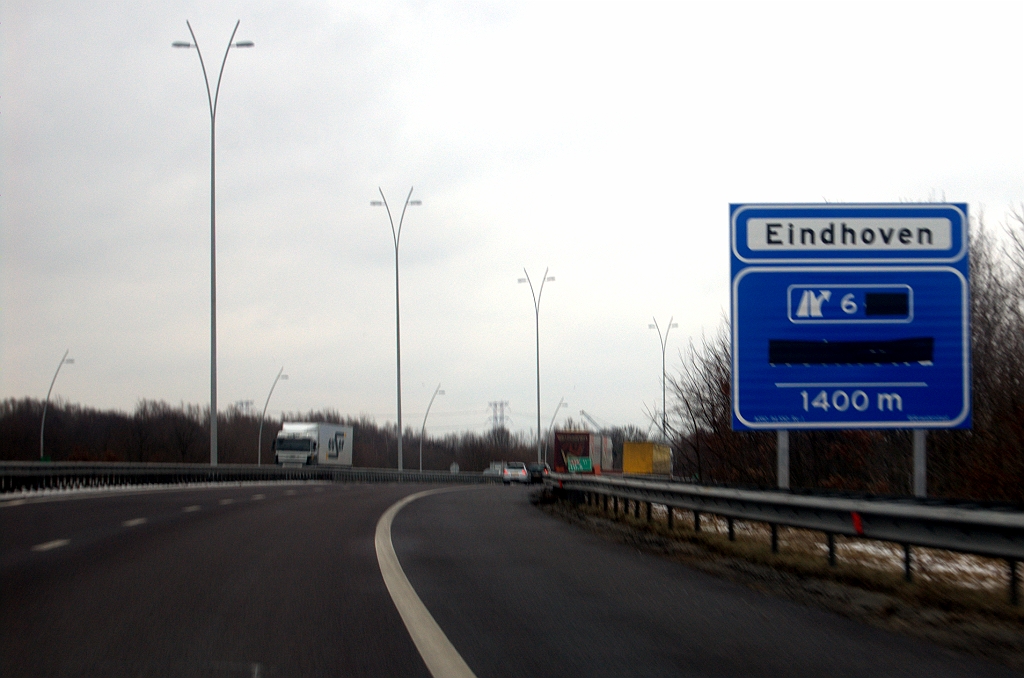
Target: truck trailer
[(313, 443), (581, 452), (646, 458)]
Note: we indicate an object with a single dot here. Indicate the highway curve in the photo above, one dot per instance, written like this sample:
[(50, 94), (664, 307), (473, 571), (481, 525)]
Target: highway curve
[(520, 593), (283, 580)]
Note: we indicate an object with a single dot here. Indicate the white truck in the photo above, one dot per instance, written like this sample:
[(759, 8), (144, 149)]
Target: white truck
[(313, 443)]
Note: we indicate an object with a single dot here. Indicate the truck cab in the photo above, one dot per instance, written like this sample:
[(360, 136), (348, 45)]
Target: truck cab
[(295, 448)]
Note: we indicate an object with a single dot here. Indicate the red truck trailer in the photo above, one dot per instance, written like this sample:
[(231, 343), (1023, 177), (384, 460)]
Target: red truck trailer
[(581, 452)]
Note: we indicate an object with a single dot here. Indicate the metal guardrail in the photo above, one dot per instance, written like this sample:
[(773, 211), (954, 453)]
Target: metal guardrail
[(30, 476), (992, 532)]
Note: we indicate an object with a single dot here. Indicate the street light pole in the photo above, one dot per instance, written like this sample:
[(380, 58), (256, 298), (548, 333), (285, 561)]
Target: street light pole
[(561, 404), (64, 359), (437, 392), (396, 234), (259, 444), (664, 344), (536, 312), (211, 99)]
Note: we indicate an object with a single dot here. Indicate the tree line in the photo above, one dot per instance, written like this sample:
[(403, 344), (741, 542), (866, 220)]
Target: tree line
[(159, 432), (984, 463)]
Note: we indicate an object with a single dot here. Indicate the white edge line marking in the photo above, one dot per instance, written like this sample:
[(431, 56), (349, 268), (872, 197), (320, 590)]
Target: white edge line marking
[(134, 522), (190, 509), (56, 543), (440, 656)]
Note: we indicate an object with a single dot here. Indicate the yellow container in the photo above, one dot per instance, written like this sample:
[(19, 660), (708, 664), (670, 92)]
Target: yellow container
[(646, 458)]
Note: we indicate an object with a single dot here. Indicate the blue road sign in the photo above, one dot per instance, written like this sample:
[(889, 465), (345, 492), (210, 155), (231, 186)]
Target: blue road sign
[(850, 316)]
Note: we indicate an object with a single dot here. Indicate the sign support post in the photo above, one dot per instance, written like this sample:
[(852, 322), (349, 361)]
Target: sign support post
[(920, 463), (782, 453)]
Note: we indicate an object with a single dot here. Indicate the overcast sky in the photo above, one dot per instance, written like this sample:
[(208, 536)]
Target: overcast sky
[(602, 140)]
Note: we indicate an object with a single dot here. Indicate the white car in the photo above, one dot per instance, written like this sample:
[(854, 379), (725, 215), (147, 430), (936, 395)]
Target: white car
[(515, 471)]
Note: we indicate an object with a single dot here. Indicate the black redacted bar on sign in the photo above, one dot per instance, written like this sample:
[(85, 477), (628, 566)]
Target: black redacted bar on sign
[(917, 349)]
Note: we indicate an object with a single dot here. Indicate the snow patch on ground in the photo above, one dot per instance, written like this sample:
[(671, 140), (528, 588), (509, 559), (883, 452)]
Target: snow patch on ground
[(936, 565)]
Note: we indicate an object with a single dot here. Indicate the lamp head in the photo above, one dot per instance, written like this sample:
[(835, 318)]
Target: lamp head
[(376, 203), (244, 43), (440, 393), (415, 202), (284, 376), (70, 361), (522, 280), (179, 43)]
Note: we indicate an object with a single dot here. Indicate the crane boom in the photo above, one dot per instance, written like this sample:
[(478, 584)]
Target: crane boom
[(591, 420)]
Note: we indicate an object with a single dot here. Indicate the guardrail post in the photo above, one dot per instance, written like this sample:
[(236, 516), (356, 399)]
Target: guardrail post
[(907, 573), (696, 521), (636, 508), (732, 532), (605, 502), (1014, 592), (615, 505), (648, 512), (671, 514), (831, 549), (775, 538)]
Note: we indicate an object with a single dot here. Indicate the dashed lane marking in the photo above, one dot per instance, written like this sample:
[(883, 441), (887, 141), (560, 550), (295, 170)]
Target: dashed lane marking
[(191, 509), (225, 502), (49, 545), (289, 493), (438, 653), (134, 522), (258, 497)]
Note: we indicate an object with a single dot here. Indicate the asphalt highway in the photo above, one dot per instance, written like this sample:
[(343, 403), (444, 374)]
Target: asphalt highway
[(284, 580)]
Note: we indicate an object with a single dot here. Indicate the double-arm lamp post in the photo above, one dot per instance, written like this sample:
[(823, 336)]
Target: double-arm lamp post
[(664, 344), (396, 234), (211, 98), (536, 313)]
